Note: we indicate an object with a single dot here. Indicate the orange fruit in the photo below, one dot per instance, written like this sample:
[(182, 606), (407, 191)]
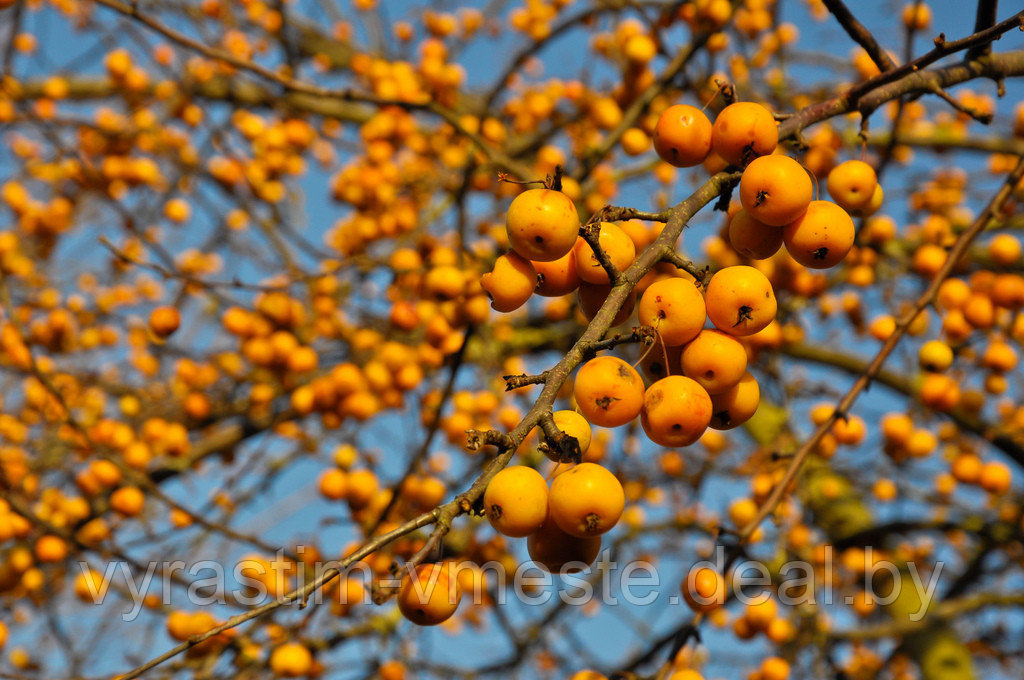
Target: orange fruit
[(935, 355), (775, 190), (743, 131), (90, 587), (673, 307), (686, 674), (821, 237), (966, 468), (1004, 249), (291, 660), (586, 500), (752, 238), (128, 501), (50, 548), (362, 487), (682, 136), (428, 596), (917, 16), (516, 501), (995, 477), (555, 550), (616, 244), (391, 670), (542, 224), (763, 611), (591, 296), (872, 206), (852, 185), (657, 363), (608, 391), (557, 277), (588, 675), (740, 300), (574, 425), (716, 360), (676, 411), (511, 283), (163, 321), (703, 589), (774, 668), (333, 484)]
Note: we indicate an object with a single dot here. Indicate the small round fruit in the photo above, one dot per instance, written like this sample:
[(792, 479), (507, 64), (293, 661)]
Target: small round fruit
[(333, 484), (542, 224), (753, 238), (511, 283), (675, 308), (775, 190), (659, 363), (516, 501), (995, 477), (555, 550), (591, 297), (917, 16), (588, 674), (676, 411), (586, 500), (635, 142), (291, 660), (682, 136), (429, 596), (50, 548), (686, 674), (704, 589), (775, 668), (935, 355), (616, 244), (557, 277), (608, 391), (128, 501), (736, 405), (740, 300), (852, 184), (716, 360), (966, 468), (821, 237), (872, 206), (743, 131), (163, 321), (574, 425)]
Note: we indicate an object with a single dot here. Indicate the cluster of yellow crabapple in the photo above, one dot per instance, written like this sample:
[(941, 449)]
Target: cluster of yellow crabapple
[(699, 375)]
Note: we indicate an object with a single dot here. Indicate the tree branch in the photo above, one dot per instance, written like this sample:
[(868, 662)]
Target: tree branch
[(860, 34)]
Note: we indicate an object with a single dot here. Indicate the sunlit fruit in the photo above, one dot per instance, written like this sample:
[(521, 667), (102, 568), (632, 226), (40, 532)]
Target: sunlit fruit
[(743, 131), (542, 224), (674, 308), (740, 300), (752, 238), (821, 237), (428, 596), (586, 500), (608, 391), (775, 190), (852, 185), (682, 136), (516, 501), (714, 359), (676, 411), (615, 243), (511, 283)]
